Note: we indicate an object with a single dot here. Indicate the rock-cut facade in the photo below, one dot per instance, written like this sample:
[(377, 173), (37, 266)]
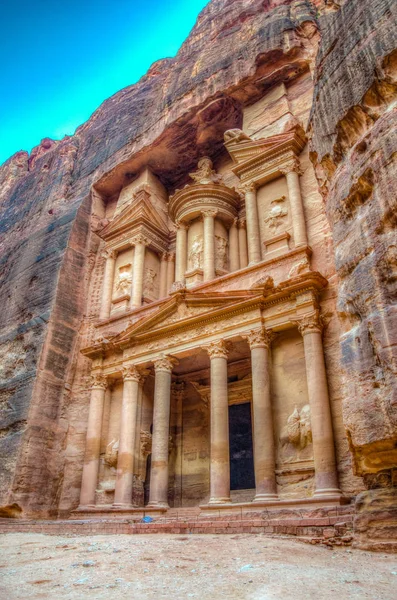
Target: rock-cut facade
[(198, 287)]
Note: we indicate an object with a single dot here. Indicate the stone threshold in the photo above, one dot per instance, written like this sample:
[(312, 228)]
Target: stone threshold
[(319, 502)]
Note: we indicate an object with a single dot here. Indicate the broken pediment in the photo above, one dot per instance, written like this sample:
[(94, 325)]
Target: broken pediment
[(263, 159)]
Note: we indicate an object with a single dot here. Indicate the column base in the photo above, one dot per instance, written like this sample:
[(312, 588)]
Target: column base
[(266, 498), (83, 507), (158, 505), (224, 500), (321, 493), (124, 505)]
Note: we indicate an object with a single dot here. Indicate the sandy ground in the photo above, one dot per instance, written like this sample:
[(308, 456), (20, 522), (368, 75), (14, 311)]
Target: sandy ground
[(249, 567)]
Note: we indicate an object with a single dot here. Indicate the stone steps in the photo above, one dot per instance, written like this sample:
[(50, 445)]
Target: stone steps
[(332, 526)]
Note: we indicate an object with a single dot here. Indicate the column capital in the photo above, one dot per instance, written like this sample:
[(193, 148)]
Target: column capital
[(181, 225), (234, 223), (131, 373), (211, 212), (313, 323), (250, 186), (170, 256), (178, 390), (140, 239), (165, 363), (98, 381), (217, 349), (164, 256), (109, 253), (292, 166), (242, 223), (260, 338)]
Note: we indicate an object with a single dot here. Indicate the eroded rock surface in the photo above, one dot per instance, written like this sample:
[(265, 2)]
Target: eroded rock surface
[(354, 149)]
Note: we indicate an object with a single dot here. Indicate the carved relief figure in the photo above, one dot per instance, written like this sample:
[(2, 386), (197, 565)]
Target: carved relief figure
[(221, 252), (298, 430), (149, 284), (124, 280), (111, 454), (276, 214), (196, 253)]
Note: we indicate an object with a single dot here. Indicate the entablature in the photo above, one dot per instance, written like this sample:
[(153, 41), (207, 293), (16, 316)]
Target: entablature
[(189, 319)]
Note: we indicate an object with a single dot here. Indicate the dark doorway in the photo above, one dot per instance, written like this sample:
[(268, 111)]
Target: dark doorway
[(146, 485), (242, 476)]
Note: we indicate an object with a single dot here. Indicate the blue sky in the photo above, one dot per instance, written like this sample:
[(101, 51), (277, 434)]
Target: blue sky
[(60, 60)]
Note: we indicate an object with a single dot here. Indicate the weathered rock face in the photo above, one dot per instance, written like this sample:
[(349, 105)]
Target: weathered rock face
[(354, 149), (238, 52)]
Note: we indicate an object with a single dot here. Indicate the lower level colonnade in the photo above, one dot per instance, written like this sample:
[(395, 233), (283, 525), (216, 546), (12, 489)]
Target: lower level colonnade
[(259, 340)]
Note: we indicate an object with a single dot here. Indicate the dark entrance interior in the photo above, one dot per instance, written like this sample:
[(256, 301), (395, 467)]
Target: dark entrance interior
[(242, 476)]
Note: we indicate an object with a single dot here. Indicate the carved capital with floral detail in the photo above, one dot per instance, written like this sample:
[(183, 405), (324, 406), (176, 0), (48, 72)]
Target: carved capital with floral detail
[(140, 239), (108, 253), (292, 167), (242, 223), (260, 338), (165, 363), (249, 187), (171, 256), (313, 323), (178, 390), (212, 212), (181, 225), (217, 349), (98, 381), (131, 373)]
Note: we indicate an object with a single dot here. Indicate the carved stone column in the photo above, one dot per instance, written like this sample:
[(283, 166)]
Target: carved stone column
[(234, 256), (125, 461), (93, 441), (209, 244), (264, 450), (178, 392), (181, 251), (219, 465), (242, 243), (323, 438), (163, 275), (107, 288), (139, 263), (170, 271), (161, 430), (292, 173), (253, 233)]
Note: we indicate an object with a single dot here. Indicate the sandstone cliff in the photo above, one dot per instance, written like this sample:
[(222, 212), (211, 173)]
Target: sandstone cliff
[(354, 147)]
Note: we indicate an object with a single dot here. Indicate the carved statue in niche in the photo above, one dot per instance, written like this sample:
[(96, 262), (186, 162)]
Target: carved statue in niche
[(196, 253), (149, 284), (276, 214), (299, 430), (205, 173), (220, 252), (124, 280), (111, 454)]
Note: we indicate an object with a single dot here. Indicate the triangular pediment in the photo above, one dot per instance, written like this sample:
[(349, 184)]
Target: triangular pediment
[(140, 212), (182, 310)]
